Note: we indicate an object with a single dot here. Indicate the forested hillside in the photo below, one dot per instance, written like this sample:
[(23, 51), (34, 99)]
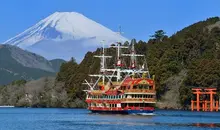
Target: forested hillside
[(191, 54)]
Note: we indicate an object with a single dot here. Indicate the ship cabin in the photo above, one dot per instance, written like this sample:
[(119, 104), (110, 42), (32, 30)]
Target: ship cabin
[(132, 94)]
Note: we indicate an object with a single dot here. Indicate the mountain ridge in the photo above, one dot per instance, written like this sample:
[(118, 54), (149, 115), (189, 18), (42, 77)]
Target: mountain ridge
[(16, 64)]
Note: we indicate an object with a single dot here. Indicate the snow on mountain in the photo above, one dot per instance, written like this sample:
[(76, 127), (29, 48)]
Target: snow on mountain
[(65, 35)]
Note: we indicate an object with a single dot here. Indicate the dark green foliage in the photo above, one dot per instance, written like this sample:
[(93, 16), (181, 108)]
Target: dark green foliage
[(73, 75), (19, 82), (56, 63), (159, 35)]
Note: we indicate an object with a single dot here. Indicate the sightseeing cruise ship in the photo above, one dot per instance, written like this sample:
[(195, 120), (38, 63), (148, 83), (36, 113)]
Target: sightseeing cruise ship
[(122, 90)]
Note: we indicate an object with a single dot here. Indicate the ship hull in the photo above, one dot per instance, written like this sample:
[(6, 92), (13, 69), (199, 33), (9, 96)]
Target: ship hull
[(132, 112)]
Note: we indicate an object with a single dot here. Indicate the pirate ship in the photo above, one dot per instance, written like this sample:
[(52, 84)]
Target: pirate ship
[(121, 89)]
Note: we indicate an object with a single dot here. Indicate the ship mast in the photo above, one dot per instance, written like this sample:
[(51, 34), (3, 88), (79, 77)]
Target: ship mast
[(103, 58), (133, 67), (119, 60), (119, 69)]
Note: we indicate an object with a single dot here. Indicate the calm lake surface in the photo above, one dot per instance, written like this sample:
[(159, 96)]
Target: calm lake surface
[(81, 119)]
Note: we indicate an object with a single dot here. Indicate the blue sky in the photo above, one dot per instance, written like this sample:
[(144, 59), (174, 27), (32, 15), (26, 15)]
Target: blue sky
[(138, 18)]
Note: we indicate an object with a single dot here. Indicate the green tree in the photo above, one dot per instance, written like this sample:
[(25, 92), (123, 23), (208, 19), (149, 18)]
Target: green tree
[(159, 35)]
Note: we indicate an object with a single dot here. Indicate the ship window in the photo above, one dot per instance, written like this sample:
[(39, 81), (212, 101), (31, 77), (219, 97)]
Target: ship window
[(140, 86), (150, 87), (134, 87), (129, 87), (146, 87)]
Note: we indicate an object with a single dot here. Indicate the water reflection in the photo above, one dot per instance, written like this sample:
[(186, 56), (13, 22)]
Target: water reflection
[(211, 125), (207, 125)]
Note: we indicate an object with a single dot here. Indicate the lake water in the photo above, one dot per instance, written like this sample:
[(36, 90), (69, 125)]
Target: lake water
[(81, 119)]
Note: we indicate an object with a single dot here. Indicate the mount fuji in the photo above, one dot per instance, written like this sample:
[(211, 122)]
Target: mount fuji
[(64, 35)]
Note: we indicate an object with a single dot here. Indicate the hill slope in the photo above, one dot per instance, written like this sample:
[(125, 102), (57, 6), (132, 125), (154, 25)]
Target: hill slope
[(16, 63)]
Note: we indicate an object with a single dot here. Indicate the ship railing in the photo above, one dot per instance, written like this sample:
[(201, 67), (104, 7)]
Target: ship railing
[(140, 90), (105, 108), (138, 99), (119, 108), (121, 100), (139, 108), (101, 101)]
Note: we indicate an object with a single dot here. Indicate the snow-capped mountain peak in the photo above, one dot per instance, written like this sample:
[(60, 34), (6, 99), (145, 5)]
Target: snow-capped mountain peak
[(62, 31)]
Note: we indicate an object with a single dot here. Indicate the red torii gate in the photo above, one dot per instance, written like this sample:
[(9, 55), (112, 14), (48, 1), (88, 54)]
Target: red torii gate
[(207, 105)]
